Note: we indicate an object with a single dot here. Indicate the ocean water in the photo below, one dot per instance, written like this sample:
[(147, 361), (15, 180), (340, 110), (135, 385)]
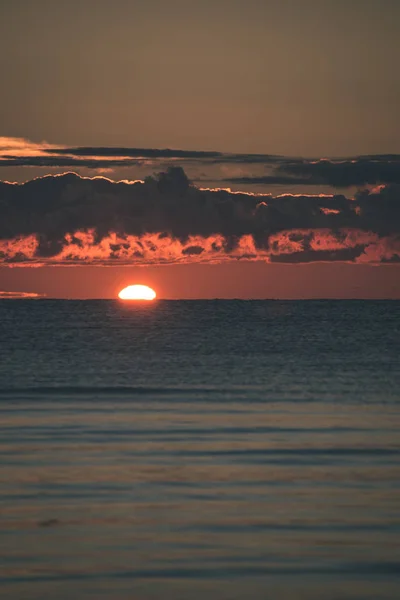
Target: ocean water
[(199, 449)]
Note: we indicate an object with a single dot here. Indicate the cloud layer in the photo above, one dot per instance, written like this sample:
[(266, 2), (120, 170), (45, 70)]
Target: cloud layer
[(68, 219), (255, 169), (359, 171)]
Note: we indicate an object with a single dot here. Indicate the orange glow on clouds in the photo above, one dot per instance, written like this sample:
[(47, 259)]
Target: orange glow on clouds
[(84, 248), (17, 295), (13, 146)]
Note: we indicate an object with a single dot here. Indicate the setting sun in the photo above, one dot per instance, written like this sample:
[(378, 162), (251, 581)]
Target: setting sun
[(137, 292)]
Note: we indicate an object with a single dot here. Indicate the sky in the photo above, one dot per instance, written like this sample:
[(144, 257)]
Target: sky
[(209, 148)]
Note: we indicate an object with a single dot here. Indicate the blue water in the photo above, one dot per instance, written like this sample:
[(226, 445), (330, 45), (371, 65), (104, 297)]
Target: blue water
[(191, 449)]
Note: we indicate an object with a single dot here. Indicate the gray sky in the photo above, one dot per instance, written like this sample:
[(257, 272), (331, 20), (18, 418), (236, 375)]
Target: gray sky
[(297, 77)]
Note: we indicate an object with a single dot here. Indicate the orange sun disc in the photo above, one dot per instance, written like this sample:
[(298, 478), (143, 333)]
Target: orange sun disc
[(137, 292)]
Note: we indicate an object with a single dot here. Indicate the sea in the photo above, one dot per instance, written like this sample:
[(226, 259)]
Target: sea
[(219, 449)]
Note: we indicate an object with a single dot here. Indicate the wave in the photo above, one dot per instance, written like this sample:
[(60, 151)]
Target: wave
[(141, 390)]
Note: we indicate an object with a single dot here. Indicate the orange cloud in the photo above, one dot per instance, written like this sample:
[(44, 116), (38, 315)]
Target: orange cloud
[(381, 250), (20, 147), (16, 295), (22, 248), (83, 248)]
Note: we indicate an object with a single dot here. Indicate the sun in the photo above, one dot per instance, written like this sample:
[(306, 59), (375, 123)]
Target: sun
[(137, 292)]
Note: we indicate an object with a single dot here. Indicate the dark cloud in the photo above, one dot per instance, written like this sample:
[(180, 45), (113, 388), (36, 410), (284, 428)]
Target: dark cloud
[(68, 219), (362, 171), (93, 157), (265, 159), (190, 250), (380, 209), (67, 162), (348, 173), (134, 152), (270, 180)]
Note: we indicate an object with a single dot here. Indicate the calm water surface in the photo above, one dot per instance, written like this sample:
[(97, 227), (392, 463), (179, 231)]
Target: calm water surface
[(189, 449)]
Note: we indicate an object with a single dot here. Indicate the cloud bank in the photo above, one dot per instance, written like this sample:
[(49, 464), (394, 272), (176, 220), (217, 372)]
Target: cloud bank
[(359, 171), (275, 170), (71, 220)]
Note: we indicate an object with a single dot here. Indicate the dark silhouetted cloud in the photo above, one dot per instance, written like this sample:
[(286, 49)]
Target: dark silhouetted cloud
[(270, 180), (339, 174), (357, 172), (134, 152), (68, 219), (67, 162)]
